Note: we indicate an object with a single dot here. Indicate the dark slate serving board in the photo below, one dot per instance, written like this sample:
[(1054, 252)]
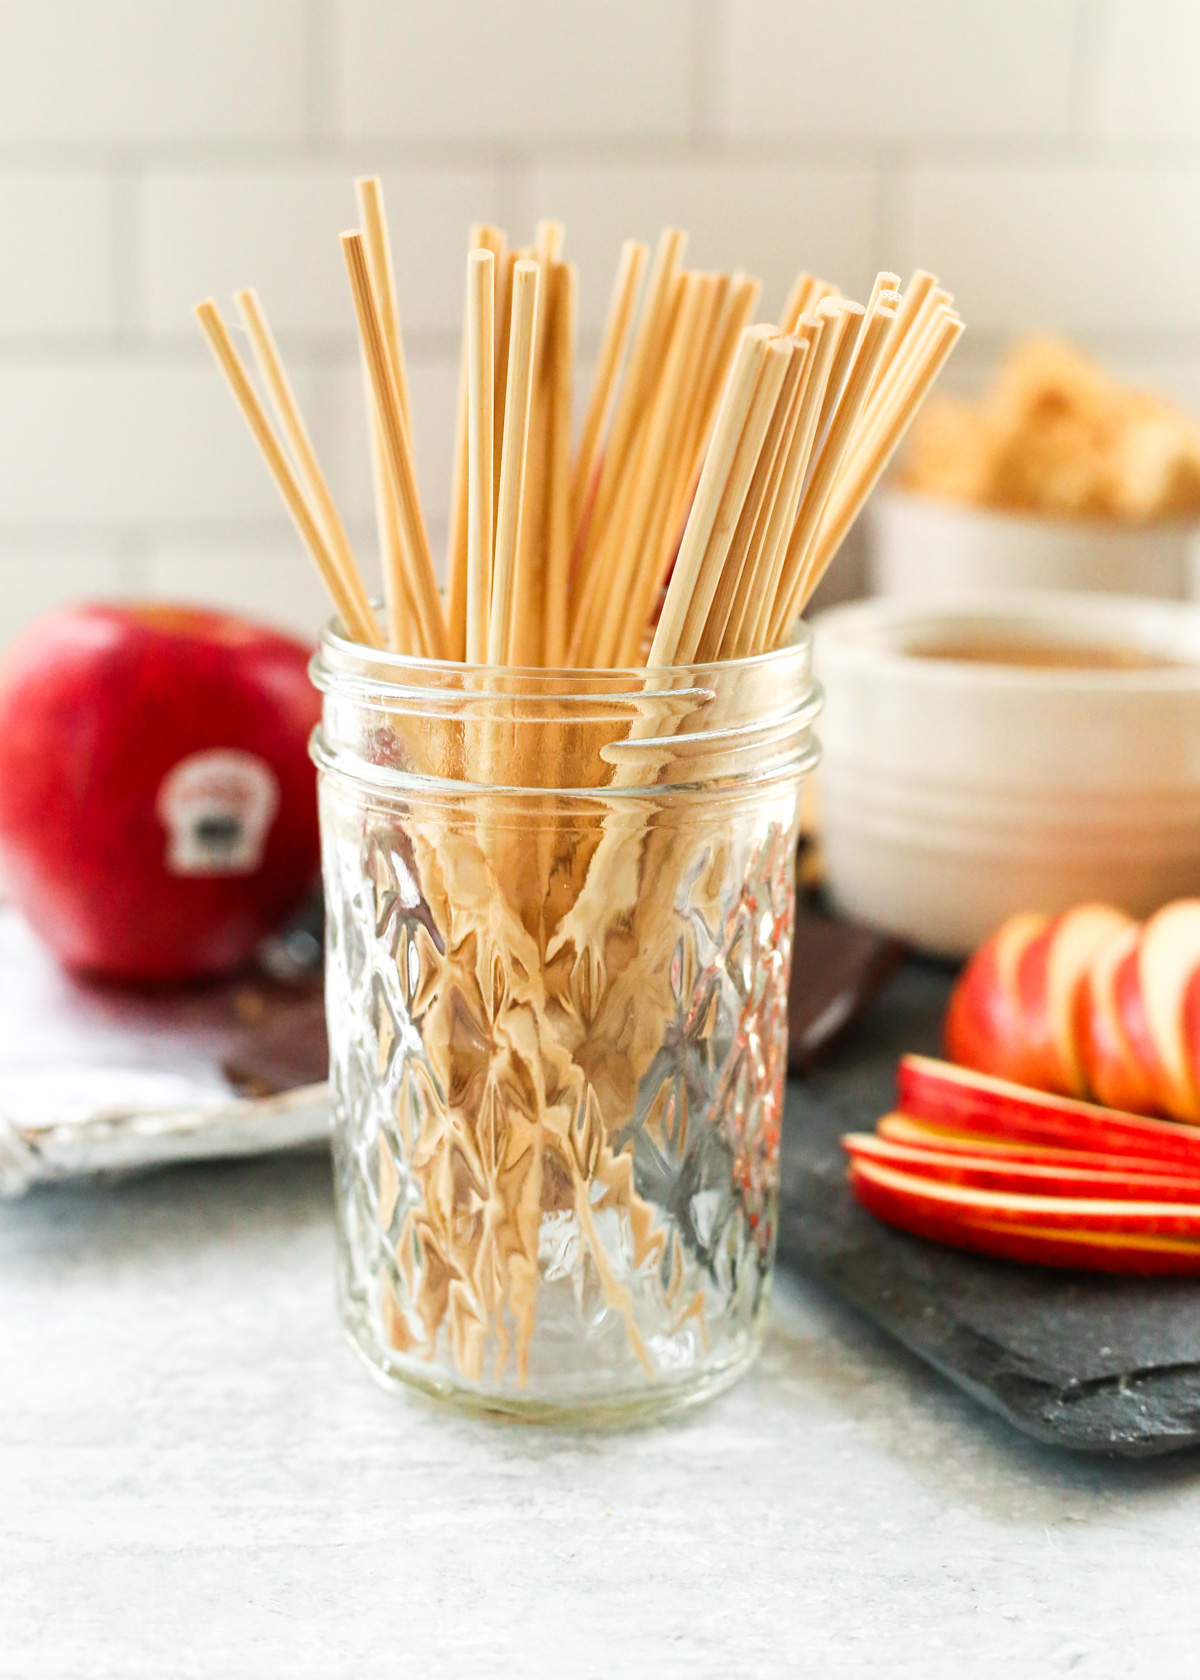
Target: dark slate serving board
[(1099, 1364)]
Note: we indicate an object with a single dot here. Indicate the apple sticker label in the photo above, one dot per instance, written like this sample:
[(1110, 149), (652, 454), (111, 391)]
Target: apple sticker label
[(217, 808)]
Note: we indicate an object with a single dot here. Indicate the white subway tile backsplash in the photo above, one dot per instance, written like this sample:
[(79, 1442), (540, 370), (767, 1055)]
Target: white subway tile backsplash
[(930, 67), (56, 275), (1041, 155), (1073, 249), (135, 70), (1152, 69), (769, 221), (462, 68), (118, 441), (211, 233), (41, 572), (270, 580)]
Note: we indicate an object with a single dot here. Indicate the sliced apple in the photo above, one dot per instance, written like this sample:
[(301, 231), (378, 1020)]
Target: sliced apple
[(1116, 1074), (1131, 1011), (985, 1026), (1071, 1176), (1099, 1235), (1168, 958), (1031, 1244), (966, 1101), (1191, 1024), (919, 1134), (1050, 976)]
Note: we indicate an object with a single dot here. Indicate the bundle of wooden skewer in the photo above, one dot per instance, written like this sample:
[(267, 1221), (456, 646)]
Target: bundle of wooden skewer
[(718, 468), (720, 461)]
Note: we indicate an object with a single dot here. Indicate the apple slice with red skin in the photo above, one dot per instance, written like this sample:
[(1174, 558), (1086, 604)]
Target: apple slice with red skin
[(1097, 1215), (916, 1134), (966, 1101), (1049, 977), (1030, 1244), (1116, 1074), (985, 1026), (1143, 1238), (1151, 1002), (1097, 1176), (1191, 1024)]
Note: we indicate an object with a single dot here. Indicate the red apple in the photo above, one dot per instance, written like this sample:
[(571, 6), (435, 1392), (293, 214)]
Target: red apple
[(157, 802)]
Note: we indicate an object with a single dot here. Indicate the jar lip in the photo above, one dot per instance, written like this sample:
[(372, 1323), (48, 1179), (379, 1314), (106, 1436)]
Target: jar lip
[(628, 679), (383, 779)]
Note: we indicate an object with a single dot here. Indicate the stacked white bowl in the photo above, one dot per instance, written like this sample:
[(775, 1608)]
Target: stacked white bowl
[(955, 792), (919, 546)]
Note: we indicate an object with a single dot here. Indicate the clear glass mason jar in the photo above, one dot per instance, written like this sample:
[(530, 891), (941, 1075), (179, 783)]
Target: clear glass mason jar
[(559, 913)]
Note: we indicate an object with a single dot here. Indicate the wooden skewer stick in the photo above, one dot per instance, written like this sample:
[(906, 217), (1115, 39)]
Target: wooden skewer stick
[(741, 472), (512, 459), (710, 494), (270, 365), (481, 359), (861, 477), (405, 625), (833, 451), (349, 599), (403, 620), (822, 337), (809, 335), (608, 367), (849, 317), (796, 305), (738, 306), (548, 238), (505, 265), (481, 238), (884, 282), (616, 489), (725, 614), (383, 278), (925, 320), (397, 446), (662, 294), (564, 279), (625, 547), (700, 391), (890, 391), (918, 289), (529, 607)]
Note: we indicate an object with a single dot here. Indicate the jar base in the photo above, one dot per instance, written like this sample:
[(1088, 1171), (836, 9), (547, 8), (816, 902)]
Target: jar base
[(621, 1409)]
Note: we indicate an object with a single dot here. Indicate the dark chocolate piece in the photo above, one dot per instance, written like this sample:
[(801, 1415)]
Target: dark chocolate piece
[(838, 967), (287, 1048)]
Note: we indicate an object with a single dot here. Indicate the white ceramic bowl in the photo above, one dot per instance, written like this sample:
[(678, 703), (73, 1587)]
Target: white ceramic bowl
[(923, 547), (954, 793)]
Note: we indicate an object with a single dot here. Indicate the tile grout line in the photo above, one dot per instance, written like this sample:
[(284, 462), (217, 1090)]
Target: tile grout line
[(128, 253), (320, 73)]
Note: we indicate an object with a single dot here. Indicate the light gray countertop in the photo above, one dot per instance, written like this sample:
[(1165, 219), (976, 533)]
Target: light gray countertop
[(197, 1478)]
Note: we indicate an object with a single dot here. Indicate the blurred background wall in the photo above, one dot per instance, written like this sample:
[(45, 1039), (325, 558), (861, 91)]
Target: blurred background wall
[(1042, 155)]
